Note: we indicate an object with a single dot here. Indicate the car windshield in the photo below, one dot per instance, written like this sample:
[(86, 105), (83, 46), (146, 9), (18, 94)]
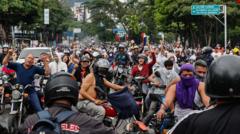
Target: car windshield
[(36, 52)]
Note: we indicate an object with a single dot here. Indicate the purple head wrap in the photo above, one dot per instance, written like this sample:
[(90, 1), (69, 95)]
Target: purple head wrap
[(188, 67), (186, 88)]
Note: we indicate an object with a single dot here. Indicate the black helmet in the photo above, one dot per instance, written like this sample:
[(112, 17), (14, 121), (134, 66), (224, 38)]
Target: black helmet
[(59, 86), (207, 50), (223, 78)]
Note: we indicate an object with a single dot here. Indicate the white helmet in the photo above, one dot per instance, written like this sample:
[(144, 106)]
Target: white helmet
[(95, 54)]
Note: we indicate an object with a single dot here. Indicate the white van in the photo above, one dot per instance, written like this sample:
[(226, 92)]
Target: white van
[(36, 51)]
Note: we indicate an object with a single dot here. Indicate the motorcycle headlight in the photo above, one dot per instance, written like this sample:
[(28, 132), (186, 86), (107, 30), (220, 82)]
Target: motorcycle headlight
[(16, 95)]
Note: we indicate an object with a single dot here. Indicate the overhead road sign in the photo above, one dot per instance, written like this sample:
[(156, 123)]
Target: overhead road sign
[(206, 9)]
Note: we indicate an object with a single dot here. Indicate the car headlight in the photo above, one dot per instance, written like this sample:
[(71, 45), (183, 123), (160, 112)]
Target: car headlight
[(16, 95)]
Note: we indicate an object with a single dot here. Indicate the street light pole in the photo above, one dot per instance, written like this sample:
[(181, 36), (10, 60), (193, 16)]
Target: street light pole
[(225, 26)]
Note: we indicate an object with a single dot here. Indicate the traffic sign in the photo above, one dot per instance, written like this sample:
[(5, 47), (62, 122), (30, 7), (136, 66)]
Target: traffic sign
[(206, 9), (46, 16)]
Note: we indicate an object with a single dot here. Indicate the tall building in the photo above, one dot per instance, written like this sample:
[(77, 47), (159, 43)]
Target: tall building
[(81, 12)]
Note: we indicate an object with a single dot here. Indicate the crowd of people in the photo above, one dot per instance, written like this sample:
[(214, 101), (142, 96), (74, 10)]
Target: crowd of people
[(183, 72)]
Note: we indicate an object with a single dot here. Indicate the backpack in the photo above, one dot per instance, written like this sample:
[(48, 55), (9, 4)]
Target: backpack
[(49, 125)]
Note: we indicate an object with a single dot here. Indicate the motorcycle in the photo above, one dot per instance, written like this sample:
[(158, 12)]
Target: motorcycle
[(161, 126), (156, 96), (5, 90), (138, 94), (116, 118), (120, 74), (39, 84)]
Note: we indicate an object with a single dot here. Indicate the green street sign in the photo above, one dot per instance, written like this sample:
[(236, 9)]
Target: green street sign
[(206, 9)]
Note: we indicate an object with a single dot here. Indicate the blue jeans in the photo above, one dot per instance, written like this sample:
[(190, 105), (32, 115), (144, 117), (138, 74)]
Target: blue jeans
[(34, 100)]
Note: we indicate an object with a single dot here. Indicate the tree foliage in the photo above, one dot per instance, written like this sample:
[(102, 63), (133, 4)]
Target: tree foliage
[(28, 14), (168, 16)]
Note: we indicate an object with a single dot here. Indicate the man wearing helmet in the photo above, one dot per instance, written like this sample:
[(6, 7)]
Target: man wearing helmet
[(222, 85), (61, 93), (143, 69), (94, 90), (207, 55), (135, 53), (122, 58), (4, 52), (83, 70)]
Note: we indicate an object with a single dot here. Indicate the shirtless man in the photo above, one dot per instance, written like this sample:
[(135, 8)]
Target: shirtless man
[(88, 100)]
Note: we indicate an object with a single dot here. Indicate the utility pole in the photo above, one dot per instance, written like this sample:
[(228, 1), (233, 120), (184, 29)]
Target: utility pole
[(225, 26)]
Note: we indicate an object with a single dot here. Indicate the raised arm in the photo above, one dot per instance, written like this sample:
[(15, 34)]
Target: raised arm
[(7, 57), (112, 85)]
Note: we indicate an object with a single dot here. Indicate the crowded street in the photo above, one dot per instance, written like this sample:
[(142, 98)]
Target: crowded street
[(119, 67)]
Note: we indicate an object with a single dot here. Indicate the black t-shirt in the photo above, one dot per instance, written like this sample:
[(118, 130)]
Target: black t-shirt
[(223, 119)]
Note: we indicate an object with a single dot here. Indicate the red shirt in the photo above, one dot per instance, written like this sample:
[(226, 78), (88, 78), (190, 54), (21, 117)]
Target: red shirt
[(145, 72)]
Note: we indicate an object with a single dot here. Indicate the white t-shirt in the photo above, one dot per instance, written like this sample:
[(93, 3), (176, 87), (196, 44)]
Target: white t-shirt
[(57, 67)]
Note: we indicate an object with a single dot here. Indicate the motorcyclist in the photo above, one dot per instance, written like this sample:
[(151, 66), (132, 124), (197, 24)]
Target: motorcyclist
[(61, 93), (222, 85), (188, 94), (43, 56), (5, 49), (89, 102), (143, 69), (135, 54), (82, 70), (162, 78), (122, 58), (206, 55), (201, 68), (25, 74)]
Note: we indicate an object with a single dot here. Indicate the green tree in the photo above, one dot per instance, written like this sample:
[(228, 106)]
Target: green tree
[(13, 12)]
